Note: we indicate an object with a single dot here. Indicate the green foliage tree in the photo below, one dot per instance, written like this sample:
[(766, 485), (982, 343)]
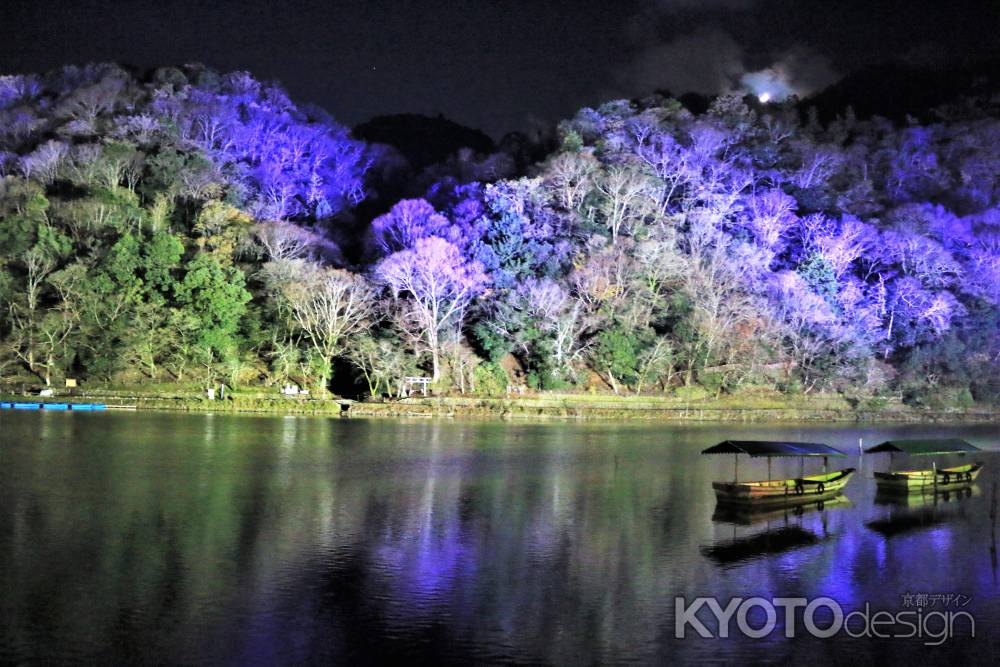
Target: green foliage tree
[(615, 356), (217, 298), (817, 272), (491, 379)]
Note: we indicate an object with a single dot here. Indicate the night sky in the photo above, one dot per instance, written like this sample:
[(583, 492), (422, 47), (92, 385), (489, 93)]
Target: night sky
[(503, 64)]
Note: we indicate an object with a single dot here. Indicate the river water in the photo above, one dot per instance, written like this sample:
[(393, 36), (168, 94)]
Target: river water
[(195, 539)]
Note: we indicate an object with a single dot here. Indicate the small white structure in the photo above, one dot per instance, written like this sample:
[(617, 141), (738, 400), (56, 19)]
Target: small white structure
[(211, 393), (47, 392), (290, 390), (410, 383)]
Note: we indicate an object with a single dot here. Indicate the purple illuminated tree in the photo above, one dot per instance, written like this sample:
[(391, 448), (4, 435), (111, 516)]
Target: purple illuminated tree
[(409, 221)]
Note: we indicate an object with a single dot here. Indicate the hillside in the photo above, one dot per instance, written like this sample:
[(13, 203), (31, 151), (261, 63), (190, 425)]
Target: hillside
[(185, 226)]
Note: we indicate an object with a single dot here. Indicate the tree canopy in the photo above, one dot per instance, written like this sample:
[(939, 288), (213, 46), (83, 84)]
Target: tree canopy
[(187, 225)]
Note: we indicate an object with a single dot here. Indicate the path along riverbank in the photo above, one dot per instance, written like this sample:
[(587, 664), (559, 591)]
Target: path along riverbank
[(747, 408)]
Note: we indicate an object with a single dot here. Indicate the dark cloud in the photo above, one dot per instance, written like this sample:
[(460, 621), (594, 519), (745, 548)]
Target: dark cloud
[(706, 61), (710, 61), (799, 71), (496, 65), (671, 6), (713, 46)]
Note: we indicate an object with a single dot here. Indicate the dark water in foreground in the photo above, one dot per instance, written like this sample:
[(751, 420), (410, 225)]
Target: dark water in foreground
[(205, 539)]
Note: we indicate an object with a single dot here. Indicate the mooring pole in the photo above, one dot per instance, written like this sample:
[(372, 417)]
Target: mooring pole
[(993, 508), (824, 464), (736, 468), (934, 467), (993, 531), (769, 468)]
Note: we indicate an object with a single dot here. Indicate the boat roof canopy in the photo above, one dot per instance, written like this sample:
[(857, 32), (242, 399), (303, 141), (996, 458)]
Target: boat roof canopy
[(925, 447), (773, 448)]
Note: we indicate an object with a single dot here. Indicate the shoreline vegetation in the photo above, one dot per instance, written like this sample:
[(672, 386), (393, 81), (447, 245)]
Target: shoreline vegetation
[(748, 407), (179, 229)]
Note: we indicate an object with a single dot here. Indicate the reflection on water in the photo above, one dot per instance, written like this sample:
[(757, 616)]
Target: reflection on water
[(196, 538), (926, 498), (782, 529), (919, 511), (748, 515), (762, 544)]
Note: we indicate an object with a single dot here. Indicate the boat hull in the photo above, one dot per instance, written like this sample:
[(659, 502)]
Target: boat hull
[(783, 491), (923, 481)]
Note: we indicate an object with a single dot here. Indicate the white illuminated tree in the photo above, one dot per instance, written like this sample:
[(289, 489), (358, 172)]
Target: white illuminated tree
[(329, 306), (432, 284)]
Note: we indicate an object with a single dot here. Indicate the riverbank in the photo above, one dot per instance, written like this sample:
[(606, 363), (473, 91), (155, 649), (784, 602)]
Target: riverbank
[(750, 407)]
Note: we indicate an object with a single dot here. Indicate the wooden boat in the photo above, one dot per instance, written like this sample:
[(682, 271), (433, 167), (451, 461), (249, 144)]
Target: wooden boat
[(927, 480), (799, 490), (949, 479)]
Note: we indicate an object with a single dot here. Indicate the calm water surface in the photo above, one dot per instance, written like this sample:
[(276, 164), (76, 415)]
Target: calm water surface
[(225, 539)]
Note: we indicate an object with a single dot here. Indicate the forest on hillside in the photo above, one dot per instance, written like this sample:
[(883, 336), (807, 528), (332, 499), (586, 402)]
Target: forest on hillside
[(190, 226)]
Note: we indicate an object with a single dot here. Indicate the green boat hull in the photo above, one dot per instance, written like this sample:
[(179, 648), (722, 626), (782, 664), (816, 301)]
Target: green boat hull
[(924, 481)]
